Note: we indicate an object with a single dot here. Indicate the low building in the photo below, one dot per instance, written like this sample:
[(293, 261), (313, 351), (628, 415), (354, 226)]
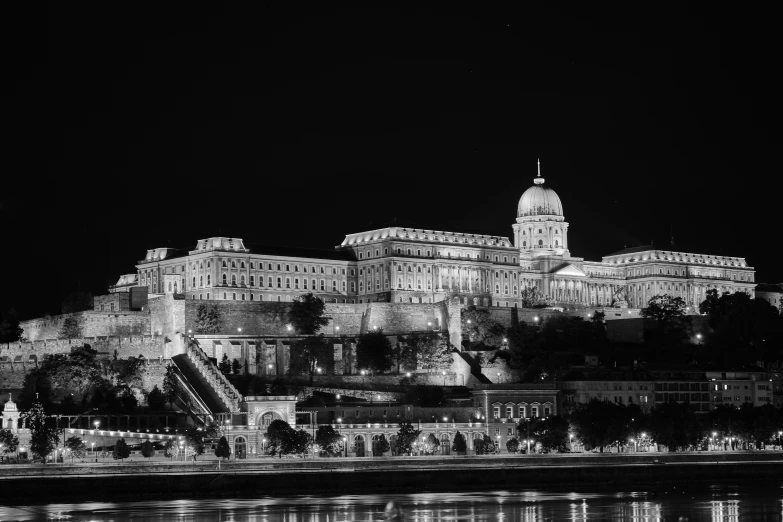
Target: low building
[(771, 293)]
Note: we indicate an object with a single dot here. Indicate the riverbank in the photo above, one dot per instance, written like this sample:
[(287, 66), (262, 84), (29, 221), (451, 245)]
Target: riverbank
[(299, 476)]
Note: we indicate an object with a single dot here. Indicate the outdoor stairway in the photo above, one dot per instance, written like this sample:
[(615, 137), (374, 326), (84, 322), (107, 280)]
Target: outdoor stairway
[(198, 385), (475, 368)]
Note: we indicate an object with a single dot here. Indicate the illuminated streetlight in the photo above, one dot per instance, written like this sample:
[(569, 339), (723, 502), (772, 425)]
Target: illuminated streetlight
[(535, 319), (337, 328), (239, 330), (407, 374)]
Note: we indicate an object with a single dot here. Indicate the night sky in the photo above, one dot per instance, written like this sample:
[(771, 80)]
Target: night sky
[(128, 128)]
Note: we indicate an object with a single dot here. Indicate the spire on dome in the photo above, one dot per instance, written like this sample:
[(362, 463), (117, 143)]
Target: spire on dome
[(539, 180)]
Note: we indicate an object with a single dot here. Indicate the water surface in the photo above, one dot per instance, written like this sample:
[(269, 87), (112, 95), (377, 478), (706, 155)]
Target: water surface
[(715, 503)]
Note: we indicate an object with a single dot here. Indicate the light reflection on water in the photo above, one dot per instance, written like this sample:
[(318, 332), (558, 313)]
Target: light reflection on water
[(716, 503)]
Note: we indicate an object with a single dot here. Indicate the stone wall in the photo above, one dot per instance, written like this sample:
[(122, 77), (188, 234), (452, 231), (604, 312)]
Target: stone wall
[(149, 346), (167, 315), (94, 324)]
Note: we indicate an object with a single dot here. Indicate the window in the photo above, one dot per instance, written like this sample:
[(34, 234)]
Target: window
[(496, 412), (509, 412), (296, 283), (233, 279), (225, 279), (269, 281), (233, 264), (252, 281), (288, 282), (279, 282), (323, 285)]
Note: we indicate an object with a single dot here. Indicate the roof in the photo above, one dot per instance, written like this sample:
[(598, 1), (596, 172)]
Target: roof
[(308, 253), (633, 250)]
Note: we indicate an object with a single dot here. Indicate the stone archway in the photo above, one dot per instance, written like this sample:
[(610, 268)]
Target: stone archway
[(266, 417)]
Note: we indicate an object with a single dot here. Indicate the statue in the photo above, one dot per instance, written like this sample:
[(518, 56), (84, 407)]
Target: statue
[(620, 298)]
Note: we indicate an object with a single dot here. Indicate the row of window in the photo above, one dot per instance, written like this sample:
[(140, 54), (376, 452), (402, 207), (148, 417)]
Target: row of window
[(524, 412), (367, 254)]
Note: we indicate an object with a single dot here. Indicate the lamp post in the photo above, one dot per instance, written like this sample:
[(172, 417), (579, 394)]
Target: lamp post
[(714, 434), (93, 452), (779, 434), (698, 337), (345, 445), (571, 442), (444, 378), (497, 444)]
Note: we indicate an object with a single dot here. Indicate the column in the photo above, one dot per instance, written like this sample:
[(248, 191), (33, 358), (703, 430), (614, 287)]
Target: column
[(470, 280)]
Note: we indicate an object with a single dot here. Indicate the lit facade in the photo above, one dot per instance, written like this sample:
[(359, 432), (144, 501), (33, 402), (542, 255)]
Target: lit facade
[(398, 264)]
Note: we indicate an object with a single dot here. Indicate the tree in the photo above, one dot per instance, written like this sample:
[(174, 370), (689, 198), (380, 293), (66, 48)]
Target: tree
[(76, 447), (307, 314), (8, 441), (374, 351), (676, 426), (512, 445), (531, 297), (551, 432), (71, 328), (170, 386), (169, 449), (209, 319), (480, 328), (147, 449), (381, 446), (484, 445), (195, 437), (328, 440), (277, 433), (43, 432), (669, 313), (308, 355), (10, 331), (225, 365), (236, 367), (601, 423), (121, 450), (223, 450), (406, 436), (155, 399), (430, 445), (460, 445), (434, 353), (664, 308), (711, 304)]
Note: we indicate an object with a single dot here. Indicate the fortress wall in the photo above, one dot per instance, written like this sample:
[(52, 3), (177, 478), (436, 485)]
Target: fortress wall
[(271, 318), (167, 315), (396, 318), (151, 347), (94, 324)]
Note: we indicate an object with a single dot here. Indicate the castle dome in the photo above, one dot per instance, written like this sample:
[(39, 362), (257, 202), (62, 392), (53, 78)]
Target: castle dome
[(539, 200)]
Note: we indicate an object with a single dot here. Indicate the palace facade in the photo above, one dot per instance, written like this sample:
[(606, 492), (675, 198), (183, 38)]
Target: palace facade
[(398, 264)]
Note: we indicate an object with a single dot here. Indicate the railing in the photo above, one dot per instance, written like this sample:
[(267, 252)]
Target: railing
[(219, 383)]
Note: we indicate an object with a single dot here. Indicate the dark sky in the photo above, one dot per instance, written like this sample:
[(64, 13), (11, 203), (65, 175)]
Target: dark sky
[(128, 128)]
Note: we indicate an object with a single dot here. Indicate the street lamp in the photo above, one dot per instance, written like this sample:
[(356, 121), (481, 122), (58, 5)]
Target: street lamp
[(239, 330), (571, 442), (407, 374), (345, 445), (337, 328), (498, 376), (93, 452), (270, 367), (698, 337), (444, 378), (535, 319)]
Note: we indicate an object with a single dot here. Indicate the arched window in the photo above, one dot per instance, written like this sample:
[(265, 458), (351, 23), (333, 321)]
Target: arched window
[(242, 279), (224, 264), (233, 264), (233, 279), (252, 280), (242, 264), (540, 243), (200, 280), (240, 448)]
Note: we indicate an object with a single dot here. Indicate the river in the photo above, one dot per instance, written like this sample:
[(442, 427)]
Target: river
[(699, 502)]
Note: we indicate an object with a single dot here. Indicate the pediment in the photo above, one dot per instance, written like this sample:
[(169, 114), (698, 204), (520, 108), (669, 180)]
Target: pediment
[(569, 270)]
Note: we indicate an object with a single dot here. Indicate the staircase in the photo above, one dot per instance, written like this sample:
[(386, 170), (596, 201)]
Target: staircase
[(475, 368), (201, 377)]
